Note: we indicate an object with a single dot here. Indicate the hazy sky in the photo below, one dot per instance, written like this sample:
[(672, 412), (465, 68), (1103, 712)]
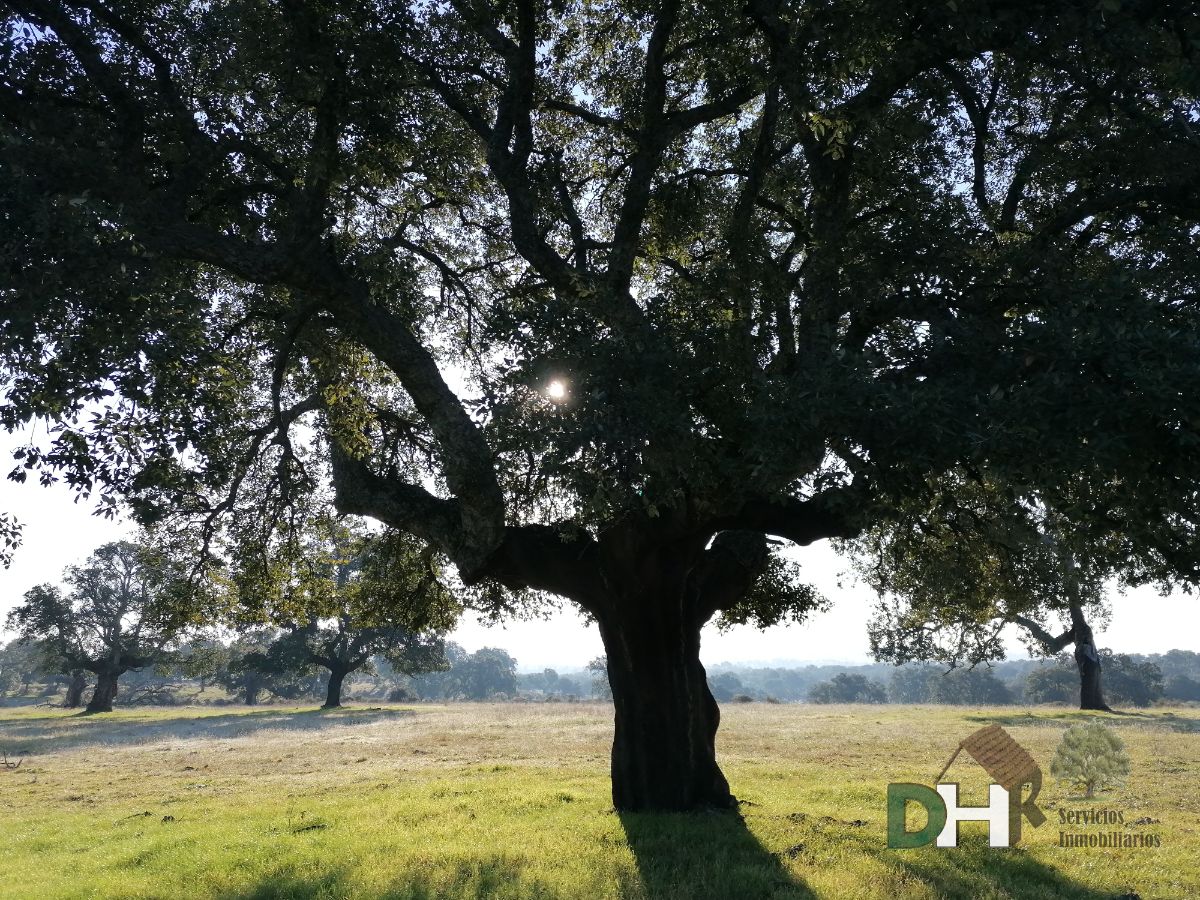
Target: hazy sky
[(59, 531)]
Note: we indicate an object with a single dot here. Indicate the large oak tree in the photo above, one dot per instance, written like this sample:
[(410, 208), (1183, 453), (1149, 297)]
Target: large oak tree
[(121, 611), (594, 297)]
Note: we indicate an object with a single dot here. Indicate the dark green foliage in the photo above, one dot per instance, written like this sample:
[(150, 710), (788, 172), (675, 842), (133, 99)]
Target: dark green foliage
[(486, 673), (1131, 682), (785, 320), (1057, 683), (725, 686), (1182, 687), (257, 665), (847, 688)]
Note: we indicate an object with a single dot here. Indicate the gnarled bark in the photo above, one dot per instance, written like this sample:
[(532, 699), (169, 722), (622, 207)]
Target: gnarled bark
[(105, 691), (664, 752), (75, 689)]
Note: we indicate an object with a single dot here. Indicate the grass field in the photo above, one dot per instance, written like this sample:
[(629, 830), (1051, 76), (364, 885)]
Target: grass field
[(511, 801)]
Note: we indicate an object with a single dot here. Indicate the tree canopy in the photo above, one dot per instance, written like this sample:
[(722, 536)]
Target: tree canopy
[(593, 297), (121, 610)]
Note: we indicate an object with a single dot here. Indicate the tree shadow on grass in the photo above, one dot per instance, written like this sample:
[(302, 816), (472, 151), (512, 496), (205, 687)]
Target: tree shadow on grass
[(974, 869), (1065, 717), (48, 734), (704, 856)]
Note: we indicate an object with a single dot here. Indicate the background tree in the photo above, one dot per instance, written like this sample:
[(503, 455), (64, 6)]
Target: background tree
[(487, 672), (1182, 687), (21, 664), (969, 687), (120, 612), (345, 596), (981, 556), (708, 272), (1057, 683), (1130, 681), (912, 684), (258, 665), (201, 658), (1090, 757), (725, 686), (67, 673), (848, 688), (601, 687), (431, 685)]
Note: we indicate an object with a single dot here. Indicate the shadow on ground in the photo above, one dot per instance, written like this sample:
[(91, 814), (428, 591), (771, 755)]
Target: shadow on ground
[(704, 855), (711, 857), (50, 733), (1065, 717)]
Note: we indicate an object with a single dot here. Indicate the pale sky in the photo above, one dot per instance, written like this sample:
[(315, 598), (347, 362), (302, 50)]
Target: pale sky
[(59, 532)]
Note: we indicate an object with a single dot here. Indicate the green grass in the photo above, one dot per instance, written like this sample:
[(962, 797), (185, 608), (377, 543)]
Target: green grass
[(511, 801)]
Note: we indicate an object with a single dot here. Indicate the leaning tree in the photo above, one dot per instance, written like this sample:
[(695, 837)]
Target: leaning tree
[(120, 611), (593, 297)]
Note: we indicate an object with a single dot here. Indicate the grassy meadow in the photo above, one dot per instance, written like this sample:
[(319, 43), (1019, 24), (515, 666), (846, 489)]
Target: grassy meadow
[(511, 801)]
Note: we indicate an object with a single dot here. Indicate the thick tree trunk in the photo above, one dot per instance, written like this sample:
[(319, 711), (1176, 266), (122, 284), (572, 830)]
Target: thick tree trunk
[(664, 754), (333, 693), (251, 695), (104, 693), (75, 689), (1087, 659), (1091, 692)]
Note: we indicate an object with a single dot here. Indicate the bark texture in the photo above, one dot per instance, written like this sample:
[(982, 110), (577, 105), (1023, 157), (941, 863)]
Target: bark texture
[(333, 693), (75, 690), (104, 693)]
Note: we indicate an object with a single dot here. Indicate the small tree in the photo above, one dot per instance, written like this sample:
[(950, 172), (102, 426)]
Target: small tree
[(846, 687), (121, 612), (1090, 757)]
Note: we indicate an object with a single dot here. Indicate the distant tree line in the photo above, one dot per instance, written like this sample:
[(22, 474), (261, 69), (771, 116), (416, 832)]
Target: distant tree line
[(350, 612)]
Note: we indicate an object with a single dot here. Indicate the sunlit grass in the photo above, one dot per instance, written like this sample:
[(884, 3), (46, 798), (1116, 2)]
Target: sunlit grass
[(469, 801)]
